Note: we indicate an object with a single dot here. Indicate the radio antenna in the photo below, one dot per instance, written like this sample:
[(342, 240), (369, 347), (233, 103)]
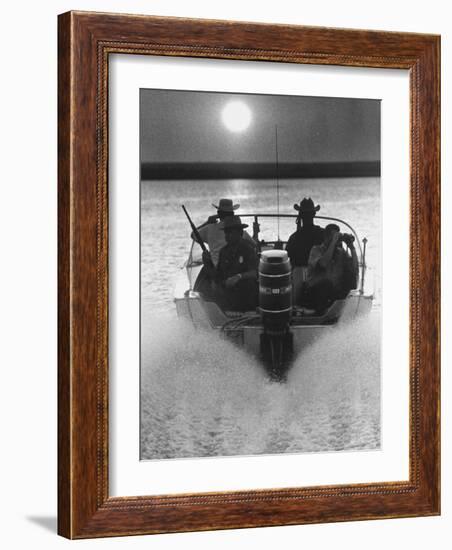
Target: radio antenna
[(277, 175)]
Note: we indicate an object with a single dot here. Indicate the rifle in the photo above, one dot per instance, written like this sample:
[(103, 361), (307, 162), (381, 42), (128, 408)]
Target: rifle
[(195, 231)]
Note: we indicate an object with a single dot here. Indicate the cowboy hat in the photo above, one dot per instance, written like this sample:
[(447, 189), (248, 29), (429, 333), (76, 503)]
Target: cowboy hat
[(232, 222), (306, 206), (225, 205)]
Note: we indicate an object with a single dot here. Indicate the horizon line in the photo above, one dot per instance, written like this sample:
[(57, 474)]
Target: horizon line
[(257, 170)]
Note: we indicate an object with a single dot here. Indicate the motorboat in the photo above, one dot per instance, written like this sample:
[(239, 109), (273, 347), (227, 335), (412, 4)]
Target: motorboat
[(277, 330)]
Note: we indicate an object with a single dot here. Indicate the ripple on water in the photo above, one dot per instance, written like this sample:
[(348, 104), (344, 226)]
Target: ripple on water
[(201, 396)]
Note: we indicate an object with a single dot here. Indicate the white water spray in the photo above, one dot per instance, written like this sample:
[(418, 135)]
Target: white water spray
[(202, 396)]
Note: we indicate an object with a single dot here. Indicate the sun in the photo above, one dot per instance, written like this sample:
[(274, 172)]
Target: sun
[(236, 116)]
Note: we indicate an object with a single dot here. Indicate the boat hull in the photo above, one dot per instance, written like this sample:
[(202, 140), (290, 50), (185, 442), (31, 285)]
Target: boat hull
[(246, 329)]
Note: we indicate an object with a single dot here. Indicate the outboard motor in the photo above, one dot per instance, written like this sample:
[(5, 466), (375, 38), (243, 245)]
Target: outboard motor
[(275, 306)]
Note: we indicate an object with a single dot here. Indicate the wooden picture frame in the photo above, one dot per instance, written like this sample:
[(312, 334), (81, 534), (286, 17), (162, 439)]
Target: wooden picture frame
[(86, 40)]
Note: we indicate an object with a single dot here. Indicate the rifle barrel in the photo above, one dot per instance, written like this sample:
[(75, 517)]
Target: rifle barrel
[(195, 230)]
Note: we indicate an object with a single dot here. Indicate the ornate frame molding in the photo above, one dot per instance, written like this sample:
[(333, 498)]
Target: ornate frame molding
[(85, 42)]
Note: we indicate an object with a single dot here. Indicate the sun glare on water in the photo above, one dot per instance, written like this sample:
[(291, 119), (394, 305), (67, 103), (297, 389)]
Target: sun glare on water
[(236, 116)]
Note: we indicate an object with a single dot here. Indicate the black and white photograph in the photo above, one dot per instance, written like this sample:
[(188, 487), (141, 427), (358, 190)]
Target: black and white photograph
[(260, 286), (224, 235)]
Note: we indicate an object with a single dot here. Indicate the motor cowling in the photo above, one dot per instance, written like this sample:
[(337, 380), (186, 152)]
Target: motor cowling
[(275, 290)]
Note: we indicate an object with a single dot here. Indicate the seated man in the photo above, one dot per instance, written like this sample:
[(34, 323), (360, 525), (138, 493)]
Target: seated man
[(301, 242), (211, 231), (332, 271), (235, 276)]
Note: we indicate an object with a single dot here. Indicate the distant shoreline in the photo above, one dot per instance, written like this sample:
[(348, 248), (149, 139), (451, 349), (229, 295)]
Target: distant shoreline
[(213, 170)]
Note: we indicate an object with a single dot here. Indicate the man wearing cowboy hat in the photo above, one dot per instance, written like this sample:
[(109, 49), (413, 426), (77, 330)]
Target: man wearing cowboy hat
[(235, 277), (301, 242), (211, 231)]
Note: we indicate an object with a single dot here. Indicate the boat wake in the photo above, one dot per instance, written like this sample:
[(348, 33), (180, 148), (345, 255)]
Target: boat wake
[(202, 396)]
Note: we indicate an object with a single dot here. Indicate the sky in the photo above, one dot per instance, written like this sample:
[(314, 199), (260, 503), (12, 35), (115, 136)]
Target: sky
[(187, 126)]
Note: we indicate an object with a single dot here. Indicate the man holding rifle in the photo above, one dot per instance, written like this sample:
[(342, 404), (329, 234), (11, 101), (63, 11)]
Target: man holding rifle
[(232, 283), (235, 276), (211, 232)]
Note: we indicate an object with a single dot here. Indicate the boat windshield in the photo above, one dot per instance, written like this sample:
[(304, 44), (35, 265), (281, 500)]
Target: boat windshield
[(273, 231)]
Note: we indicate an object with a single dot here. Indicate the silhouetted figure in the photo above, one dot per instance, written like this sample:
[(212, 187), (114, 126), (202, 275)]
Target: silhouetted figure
[(211, 232), (235, 276), (301, 242), (332, 270)]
